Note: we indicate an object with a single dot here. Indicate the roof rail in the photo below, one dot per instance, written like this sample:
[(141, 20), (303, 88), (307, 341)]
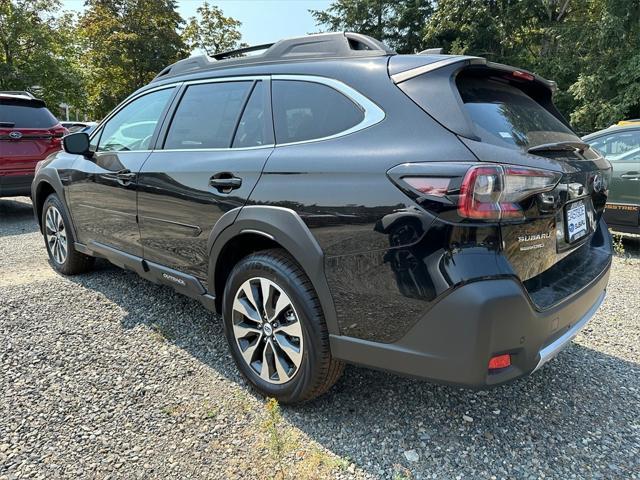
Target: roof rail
[(23, 93), (240, 51), (322, 45)]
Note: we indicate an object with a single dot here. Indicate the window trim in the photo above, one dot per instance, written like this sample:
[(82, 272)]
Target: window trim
[(183, 87), (373, 114)]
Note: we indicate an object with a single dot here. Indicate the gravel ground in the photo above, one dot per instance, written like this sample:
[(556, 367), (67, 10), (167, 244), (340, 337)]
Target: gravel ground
[(105, 375)]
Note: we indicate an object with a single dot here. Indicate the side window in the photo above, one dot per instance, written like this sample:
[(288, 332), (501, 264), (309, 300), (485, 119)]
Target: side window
[(619, 146), (307, 110), (207, 115), (133, 126), (255, 128)]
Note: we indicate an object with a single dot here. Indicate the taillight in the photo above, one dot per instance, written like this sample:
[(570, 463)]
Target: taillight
[(57, 133), (493, 192)]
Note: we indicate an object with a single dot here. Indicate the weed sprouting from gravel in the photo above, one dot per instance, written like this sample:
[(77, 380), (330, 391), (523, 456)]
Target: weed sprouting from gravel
[(618, 245), (161, 333), (276, 441), (401, 473)]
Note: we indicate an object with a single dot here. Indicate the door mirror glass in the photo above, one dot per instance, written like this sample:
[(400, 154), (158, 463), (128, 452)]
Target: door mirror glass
[(76, 143)]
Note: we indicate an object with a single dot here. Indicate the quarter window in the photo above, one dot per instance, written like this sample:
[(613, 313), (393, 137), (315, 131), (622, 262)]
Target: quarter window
[(308, 110), (133, 126), (207, 115)]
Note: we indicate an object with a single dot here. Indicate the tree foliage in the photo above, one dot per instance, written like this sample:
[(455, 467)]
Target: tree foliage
[(37, 53), (398, 23), (211, 31), (127, 42), (591, 48)]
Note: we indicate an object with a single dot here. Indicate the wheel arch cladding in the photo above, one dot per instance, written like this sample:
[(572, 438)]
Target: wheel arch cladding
[(270, 227), (48, 183)]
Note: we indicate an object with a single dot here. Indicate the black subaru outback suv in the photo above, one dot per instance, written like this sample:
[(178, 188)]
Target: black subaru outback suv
[(426, 214)]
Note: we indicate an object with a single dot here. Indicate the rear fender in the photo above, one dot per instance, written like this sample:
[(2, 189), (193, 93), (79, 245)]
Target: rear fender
[(285, 227)]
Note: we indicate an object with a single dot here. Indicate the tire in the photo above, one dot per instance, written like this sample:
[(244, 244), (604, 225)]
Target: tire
[(307, 368), (59, 240)]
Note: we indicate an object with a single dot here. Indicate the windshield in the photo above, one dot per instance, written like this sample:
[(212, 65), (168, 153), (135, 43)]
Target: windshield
[(505, 115)]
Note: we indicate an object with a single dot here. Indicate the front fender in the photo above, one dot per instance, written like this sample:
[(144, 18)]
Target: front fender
[(45, 180)]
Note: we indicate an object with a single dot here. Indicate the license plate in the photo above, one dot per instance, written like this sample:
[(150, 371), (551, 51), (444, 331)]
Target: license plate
[(576, 216)]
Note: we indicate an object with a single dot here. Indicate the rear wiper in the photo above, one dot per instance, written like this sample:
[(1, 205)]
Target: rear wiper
[(7, 124), (565, 146)]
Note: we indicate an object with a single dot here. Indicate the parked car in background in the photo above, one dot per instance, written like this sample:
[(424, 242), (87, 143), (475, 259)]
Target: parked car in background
[(28, 134), (633, 121), (621, 146), (431, 215), (77, 126), (90, 127)]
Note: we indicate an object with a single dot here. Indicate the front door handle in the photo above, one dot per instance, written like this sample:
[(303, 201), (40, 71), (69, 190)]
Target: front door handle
[(225, 182)]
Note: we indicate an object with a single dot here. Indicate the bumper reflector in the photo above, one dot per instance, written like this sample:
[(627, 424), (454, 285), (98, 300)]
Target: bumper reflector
[(500, 361)]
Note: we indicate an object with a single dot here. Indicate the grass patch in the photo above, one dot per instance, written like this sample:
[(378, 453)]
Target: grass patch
[(161, 333)]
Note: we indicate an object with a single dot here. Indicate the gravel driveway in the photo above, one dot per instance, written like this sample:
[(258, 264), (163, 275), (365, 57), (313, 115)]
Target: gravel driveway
[(105, 375)]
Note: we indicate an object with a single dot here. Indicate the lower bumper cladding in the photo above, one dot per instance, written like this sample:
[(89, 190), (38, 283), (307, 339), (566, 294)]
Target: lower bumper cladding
[(455, 341), (550, 351)]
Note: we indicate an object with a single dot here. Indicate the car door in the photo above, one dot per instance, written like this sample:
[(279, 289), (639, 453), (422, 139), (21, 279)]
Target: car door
[(207, 160), (622, 149), (103, 188)]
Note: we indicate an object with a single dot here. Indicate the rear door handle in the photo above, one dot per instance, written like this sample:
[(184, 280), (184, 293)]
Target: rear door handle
[(125, 177), (225, 182)]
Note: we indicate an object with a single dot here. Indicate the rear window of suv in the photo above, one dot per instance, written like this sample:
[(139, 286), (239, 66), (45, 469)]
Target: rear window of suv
[(23, 114), (505, 115)]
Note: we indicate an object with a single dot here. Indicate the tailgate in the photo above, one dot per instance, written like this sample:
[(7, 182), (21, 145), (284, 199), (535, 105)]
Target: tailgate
[(506, 116)]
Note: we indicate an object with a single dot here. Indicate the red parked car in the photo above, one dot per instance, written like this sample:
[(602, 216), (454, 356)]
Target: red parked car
[(28, 134)]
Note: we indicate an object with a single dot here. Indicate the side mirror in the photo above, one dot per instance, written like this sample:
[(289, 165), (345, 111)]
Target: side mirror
[(76, 143)]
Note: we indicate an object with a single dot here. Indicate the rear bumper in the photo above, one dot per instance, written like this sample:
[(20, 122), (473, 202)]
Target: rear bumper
[(453, 342), (15, 185)]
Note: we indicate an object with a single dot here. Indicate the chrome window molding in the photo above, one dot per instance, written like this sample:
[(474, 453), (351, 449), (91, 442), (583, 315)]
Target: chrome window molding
[(373, 114), (219, 149)]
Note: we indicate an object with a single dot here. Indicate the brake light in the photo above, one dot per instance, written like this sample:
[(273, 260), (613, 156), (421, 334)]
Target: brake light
[(523, 75), (493, 192)]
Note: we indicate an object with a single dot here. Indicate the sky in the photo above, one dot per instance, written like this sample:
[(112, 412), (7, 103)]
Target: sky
[(263, 21)]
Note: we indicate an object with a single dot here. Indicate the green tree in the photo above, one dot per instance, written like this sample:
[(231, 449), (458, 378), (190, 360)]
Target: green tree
[(590, 48), (211, 31), (127, 42), (607, 88), (38, 52), (398, 23)]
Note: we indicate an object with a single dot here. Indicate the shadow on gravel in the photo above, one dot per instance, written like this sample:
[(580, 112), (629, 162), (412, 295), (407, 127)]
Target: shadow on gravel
[(575, 409), (16, 217)]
